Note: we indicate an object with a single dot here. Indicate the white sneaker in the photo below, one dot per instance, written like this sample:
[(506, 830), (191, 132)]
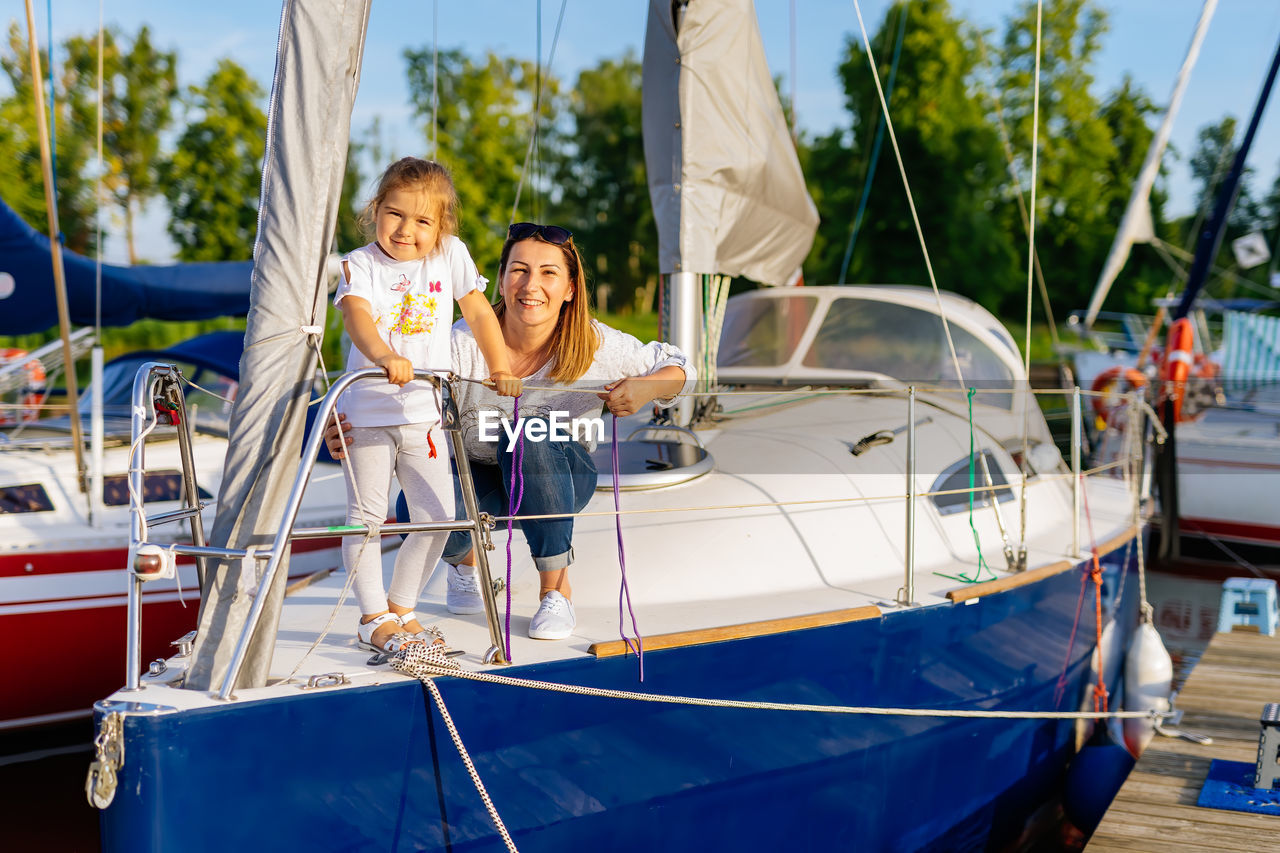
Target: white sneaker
[(554, 619), (463, 597)]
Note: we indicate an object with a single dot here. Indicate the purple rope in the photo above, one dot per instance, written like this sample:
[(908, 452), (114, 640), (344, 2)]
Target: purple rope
[(624, 591), (514, 495)]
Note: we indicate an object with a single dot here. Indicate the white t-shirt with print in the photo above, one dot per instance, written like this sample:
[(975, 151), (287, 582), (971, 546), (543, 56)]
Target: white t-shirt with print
[(412, 307)]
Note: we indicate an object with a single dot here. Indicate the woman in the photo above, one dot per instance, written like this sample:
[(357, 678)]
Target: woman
[(551, 341)]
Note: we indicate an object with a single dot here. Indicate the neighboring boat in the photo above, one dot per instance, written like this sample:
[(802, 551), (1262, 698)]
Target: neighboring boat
[(62, 564), (1228, 440), (815, 535), (1217, 381)]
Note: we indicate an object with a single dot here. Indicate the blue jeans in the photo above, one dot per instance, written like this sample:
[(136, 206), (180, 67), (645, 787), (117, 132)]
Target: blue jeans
[(559, 477)]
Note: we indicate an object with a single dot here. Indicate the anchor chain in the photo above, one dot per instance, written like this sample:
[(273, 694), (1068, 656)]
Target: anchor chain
[(100, 785)]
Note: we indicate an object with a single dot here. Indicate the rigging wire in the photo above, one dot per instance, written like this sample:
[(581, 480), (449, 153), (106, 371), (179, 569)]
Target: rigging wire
[(537, 106), (875, 149), (1031, 263), (1007, 145), (911, 204), (435, 76)]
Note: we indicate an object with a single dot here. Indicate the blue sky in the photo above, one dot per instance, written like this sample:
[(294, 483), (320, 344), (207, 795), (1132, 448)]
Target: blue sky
[(1147, 40)]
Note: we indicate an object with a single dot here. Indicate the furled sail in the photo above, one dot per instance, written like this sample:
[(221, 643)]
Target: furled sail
[(1135, 225), (724, 180), (317, 73)]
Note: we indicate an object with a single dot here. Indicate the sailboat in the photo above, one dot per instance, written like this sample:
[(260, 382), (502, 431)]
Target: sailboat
[(1221, 466), (62, 549), (826, 659)]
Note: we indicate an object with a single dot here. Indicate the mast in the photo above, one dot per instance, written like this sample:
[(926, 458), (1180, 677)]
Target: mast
[(55, 251), (1207, 246)]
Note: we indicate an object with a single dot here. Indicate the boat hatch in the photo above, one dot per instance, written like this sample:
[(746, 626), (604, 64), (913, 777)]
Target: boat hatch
[(650, 464), (157, 486), (27, 498), (956, 480)]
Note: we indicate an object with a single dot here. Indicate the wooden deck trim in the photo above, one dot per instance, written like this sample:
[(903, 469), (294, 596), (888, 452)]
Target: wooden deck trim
[(680, 639), (1008, 582)]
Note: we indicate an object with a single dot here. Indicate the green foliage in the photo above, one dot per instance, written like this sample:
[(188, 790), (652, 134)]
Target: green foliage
[(21, 171), (601, 173), (482, 127), (212, 180), (139, 88), (1082, 180), (953, 161)]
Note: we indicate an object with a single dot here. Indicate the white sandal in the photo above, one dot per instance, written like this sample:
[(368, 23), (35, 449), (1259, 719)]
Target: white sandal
[(365, 631), (430, 635)]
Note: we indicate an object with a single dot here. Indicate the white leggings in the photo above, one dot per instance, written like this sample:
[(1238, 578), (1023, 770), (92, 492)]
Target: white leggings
[(375, 454)]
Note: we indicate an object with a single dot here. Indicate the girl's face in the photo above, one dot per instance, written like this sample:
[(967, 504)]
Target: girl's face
[(407, 224), (536, 283)]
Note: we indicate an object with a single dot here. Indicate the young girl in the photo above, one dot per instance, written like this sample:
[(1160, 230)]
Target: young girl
[(396, 298)]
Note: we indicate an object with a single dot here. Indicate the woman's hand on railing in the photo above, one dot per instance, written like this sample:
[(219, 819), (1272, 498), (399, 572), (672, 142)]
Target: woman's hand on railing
[(336, 440)]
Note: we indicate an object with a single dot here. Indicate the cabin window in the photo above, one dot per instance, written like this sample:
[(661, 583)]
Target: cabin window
[(29, 498), (956, 477), (907, 344), (156, 486), (764, 332)]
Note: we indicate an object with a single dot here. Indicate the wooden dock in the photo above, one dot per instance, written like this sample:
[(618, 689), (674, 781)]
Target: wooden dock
[(1156, 809)]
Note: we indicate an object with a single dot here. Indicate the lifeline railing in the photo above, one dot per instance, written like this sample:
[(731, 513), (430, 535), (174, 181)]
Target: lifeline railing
[(156, 387)]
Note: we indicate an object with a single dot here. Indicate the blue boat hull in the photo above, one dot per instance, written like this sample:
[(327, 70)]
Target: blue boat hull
[(375, 769)]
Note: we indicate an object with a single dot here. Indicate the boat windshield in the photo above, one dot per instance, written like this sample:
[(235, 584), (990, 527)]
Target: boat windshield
[(903, 342), (861, 336), (764, 332)]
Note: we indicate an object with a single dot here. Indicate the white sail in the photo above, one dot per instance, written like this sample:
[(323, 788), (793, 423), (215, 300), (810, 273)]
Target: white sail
[(727, 191), (316, 77), (1135, 226)]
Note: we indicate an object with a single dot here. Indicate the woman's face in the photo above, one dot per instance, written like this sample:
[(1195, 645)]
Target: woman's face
[(536, 283)]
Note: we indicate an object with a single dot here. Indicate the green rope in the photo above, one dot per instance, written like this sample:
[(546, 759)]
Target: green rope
[(982, 563)]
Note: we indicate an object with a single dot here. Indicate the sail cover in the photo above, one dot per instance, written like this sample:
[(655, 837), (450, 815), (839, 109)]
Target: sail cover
[(176, 292), (309, 119), (724, 180)]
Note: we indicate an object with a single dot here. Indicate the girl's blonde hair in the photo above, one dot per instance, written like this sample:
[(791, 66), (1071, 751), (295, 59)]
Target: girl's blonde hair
[(575, 341), (418, 175)]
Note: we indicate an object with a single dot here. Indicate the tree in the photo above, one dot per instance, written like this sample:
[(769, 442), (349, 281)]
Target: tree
[(1145, 276), (1086, 166), (483, 126), (21, 171), (212, 180), (952, 156), (604, 190), (139, 88)]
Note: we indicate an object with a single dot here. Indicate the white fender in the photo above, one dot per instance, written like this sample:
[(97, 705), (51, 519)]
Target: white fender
[(1148, 681)]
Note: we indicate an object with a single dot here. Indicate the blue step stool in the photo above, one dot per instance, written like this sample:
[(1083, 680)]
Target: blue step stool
[(1250, 602)]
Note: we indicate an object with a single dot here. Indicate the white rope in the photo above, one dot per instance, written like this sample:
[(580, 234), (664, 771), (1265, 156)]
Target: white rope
[(419, 656), (426, 670)]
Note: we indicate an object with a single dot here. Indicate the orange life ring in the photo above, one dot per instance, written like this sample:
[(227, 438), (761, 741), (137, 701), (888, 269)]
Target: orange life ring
[(1178, 363), (31, 397), (1105, 382)]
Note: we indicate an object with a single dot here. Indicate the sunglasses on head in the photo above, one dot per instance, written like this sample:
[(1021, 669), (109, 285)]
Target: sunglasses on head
[(553, 234)]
